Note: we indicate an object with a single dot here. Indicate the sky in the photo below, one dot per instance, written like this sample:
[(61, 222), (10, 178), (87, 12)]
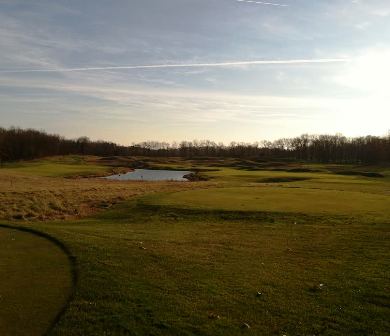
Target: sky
[(170, 70)]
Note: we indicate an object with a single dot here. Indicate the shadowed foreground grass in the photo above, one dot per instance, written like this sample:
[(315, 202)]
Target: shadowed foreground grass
[(36, 281), (306, 257)]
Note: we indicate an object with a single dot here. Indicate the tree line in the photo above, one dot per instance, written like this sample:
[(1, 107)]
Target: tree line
[(25, 144)]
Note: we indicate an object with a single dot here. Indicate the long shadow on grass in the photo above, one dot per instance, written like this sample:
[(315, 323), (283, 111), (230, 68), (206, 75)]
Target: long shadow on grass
[(72, 262)]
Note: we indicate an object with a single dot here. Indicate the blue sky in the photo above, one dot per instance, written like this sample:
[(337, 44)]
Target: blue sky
[(50, 51)]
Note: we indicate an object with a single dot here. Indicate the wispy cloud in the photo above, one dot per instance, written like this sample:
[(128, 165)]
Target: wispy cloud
[(263, 3), (186, 65), (187, 69), (138, 113), (162, 106)]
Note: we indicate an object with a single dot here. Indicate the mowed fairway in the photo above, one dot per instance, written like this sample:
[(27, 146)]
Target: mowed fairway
[(232, 256), (280, 199), (36, 281)]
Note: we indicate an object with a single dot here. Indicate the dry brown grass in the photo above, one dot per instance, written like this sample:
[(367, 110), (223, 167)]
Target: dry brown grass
[(28, 197)]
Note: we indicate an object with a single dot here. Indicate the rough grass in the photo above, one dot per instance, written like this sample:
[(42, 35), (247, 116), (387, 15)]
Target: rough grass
[(41, 191), (308, 257), (35, 280)]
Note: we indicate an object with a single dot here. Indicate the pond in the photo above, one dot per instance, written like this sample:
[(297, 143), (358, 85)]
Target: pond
[(151, 175)]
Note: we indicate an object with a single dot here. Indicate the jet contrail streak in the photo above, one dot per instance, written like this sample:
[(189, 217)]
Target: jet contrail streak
[(188, 65), (263, 3)]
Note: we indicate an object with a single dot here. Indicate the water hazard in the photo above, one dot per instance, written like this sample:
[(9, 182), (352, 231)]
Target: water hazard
[(151, 175)]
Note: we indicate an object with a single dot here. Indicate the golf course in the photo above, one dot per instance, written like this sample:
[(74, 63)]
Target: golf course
[(194, 168), (298, 250)]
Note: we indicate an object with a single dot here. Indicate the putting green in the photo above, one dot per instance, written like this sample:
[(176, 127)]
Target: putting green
[(35, 282)]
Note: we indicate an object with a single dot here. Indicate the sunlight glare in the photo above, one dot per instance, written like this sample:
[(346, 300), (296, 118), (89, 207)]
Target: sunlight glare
[(369, 72)]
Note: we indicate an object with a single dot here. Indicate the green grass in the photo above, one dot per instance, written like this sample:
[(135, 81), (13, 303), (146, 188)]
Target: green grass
[(232, 175), (191, 262), (160, 271), (36, 280), (57, 168), (279, 199)]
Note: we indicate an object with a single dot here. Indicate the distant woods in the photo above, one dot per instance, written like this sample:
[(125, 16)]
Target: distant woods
[(24, 144)]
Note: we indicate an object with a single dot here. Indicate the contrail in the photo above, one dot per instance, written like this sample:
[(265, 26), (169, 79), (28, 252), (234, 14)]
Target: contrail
[(184, 65), (263, 3)]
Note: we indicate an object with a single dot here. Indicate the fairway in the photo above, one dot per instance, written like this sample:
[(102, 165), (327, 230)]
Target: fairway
[(280, 199), (164, 271), (36, 281)]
